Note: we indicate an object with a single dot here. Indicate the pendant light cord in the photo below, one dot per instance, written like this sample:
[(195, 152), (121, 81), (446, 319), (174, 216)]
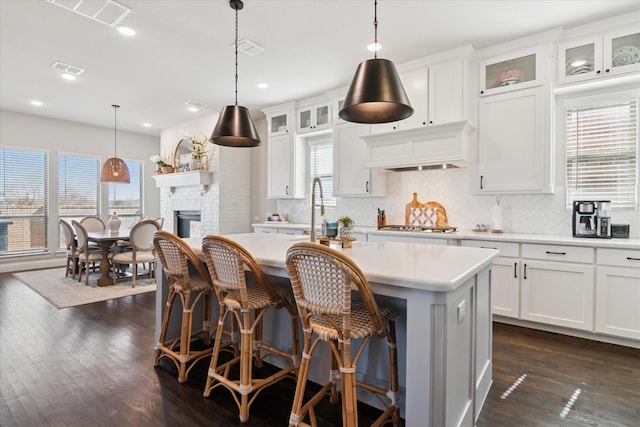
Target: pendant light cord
[(236, 55), (115, 127), (375, 29)]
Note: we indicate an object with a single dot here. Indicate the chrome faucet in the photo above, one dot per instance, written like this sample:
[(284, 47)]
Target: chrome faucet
[(312, 233)]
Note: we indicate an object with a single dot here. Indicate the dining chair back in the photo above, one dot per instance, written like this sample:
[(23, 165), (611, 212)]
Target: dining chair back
[(323, 280), (191, 285), (71, 248), (93, 223), (142, 250), (245, 302), (86, 256)]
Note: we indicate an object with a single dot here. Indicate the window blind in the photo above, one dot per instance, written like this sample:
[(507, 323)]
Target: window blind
[(126, 199), (602, 153), (321, 166), (23, 201)]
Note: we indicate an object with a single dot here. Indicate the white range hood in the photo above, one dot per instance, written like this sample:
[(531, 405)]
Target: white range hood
[(425, 147)]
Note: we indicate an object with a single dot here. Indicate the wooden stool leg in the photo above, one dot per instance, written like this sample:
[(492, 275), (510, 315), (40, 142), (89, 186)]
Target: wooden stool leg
[(217, 345), (185, 335), (301, 384), (165, 325)]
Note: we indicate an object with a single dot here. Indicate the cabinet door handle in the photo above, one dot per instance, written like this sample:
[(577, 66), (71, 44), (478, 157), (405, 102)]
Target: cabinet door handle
[(488, 247), (366, 187), (481, 92), (633, 259), (606, 71), (515, 270), (286, 190), (556, 253), (481, 182), (598, 72), (525, 272)]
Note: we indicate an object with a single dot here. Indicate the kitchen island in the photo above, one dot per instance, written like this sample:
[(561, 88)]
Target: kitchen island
[(443, 298)]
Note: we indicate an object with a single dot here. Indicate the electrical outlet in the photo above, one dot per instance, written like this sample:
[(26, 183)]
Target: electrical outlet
[(461, 311)]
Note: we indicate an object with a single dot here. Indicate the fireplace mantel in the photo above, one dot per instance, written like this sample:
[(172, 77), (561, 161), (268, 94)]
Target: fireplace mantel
[(200, 179)]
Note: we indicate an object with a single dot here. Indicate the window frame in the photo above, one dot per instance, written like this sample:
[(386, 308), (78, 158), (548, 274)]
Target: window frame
[(330, 201)]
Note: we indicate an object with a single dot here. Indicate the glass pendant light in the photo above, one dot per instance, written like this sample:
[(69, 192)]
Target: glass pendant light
[(376, 94), (115, 170), (235, 127)]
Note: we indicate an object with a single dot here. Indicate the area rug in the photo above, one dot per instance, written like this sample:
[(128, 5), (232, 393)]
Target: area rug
[(64, 292)]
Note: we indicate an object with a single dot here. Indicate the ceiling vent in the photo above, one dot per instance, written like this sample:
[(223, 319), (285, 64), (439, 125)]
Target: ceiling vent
[(66, 68), (107, 12), (248, 47), (196, 104)]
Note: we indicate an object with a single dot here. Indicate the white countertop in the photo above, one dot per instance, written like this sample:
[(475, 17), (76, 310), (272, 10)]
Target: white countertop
[(416, 266), (487, 235)]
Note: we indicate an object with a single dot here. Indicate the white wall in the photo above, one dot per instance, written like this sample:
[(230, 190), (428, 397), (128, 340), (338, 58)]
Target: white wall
[(28, 131)]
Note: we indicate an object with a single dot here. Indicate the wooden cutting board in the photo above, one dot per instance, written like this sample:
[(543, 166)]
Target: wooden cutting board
[(442, 213)]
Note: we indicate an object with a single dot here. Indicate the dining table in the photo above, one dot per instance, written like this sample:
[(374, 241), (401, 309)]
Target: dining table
[(106, 239)]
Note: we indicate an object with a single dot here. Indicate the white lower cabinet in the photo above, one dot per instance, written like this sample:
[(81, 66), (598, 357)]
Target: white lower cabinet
[(406, 239), (558, 285), (618, 293), (505, 277)]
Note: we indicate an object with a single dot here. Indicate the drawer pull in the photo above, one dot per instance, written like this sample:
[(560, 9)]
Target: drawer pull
[(556, 253), (515, 270), (633, 259), (488, 247)]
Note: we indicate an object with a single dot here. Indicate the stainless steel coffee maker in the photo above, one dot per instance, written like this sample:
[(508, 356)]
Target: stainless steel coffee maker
[(592, 218)]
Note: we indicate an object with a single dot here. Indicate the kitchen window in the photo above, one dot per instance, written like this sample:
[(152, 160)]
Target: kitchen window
[(602, 149), (126, 199), (23, 201), (321, 166)]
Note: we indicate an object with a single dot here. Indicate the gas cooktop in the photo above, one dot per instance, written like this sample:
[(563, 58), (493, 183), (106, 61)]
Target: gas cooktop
[(415, 228)]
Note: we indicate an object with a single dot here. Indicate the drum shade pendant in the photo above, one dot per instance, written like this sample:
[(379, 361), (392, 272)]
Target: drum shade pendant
[(115, 170), (235, 127), (376, 94)]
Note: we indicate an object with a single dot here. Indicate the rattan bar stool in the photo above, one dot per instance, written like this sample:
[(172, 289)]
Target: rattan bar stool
[(246, 299), (176, 257), (322, 280)]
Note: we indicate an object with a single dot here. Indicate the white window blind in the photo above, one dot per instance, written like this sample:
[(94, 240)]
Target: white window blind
[(321, 166), (78, 188), (126, 199), (602, 153), (23, 201)]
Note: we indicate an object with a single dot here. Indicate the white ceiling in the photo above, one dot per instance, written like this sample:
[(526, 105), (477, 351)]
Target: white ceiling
[(183, 50)]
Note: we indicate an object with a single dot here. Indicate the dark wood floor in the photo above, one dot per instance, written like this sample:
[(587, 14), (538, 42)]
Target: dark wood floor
[(92, 366)]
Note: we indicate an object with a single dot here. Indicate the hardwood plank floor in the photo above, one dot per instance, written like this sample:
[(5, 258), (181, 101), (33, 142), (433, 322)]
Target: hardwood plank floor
[(92, 365)]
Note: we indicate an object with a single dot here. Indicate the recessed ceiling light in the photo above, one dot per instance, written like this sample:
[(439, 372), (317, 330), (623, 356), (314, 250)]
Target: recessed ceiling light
[(68, 76), (262, 85), (192, 109), (373, 47), (36, 103), (127, 31), (147, 125)]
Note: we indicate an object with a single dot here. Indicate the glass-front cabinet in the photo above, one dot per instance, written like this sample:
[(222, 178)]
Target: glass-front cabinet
[(599, 55), (511, 72), (280, 119), (314, 116)]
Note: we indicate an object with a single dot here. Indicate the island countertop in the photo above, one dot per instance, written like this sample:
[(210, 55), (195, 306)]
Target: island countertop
[(433, 268)]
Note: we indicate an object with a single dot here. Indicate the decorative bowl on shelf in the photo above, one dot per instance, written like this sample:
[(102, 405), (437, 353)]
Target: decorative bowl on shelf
[(578, 66), (625, 55), (510, 77)]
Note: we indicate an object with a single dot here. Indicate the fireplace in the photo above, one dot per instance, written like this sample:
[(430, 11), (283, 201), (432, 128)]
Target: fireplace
[(188, 223)]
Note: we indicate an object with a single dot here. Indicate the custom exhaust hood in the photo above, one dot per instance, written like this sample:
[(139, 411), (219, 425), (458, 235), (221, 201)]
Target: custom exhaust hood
[(429, 147)]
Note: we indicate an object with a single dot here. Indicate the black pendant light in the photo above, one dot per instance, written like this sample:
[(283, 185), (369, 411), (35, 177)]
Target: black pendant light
[(235, 126), (115, 170), (376, 94)]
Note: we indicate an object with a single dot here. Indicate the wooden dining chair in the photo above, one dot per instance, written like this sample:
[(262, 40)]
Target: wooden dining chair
[(93, 223), (192, 285), (323, 280), (245, 299), (71, 248), (86, 256), (142, 250)]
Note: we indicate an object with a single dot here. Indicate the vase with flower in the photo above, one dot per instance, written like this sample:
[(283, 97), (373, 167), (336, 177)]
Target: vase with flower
[(161, 165), (199, 150)]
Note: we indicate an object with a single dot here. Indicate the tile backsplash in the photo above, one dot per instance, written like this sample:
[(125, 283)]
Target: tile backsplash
[(528, 214)]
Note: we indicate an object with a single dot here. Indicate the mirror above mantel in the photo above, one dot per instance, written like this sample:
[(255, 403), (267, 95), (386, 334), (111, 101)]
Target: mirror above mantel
[(182, 153)]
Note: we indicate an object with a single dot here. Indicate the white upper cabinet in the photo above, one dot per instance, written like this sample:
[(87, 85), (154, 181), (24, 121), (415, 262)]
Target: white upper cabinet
[(599, 55), (514, 71), (350, 176), (314, 115), (437, 90)]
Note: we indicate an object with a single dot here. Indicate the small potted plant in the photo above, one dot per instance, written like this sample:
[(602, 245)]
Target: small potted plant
[(346, 229), (161, 164)]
